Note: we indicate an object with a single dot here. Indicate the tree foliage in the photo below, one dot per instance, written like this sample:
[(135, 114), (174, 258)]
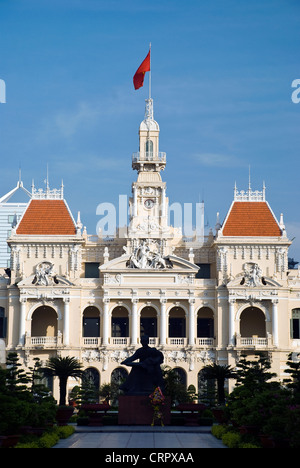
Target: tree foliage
[(63, 368)]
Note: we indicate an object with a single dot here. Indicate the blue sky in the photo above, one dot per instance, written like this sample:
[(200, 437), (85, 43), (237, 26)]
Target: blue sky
[(221, 83)]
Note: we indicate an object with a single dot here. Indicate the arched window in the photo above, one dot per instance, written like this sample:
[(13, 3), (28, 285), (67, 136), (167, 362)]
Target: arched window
[(205, 323), (149, 150), (177, 326), (252, 322), (295, 324), (44, 322), (92, 376), (119, 322), (91, 322), (3, 321), (148, 322), (206, 389), (91, 384), (118, 376), (181, 375)]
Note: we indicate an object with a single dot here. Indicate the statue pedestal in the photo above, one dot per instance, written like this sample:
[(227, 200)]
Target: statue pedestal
[(137, 410)]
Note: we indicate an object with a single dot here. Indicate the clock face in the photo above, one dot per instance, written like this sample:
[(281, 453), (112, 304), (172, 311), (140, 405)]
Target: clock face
[(149, 203)]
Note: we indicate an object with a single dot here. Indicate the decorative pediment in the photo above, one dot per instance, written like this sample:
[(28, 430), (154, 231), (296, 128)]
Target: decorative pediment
[(252, 277), (44, 276), (145, 257), (171, 263)]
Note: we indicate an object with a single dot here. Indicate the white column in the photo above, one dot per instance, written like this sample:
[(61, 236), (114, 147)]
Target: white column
[(134, 322), (66, 332), (192, 322), (106, 322), (231, 322), (134, 202), (275, 321), (22, 322), (163, 202), (163, 324)]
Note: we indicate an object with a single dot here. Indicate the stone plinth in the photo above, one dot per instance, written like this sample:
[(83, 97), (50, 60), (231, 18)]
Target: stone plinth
[(137, 410)]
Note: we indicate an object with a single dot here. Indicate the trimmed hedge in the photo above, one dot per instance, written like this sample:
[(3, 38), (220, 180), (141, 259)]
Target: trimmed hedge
[(48, 439), (230, 437)]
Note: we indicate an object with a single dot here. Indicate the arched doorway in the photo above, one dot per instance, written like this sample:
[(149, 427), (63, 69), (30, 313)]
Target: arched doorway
[(91, 384), (207, 389), (44, 322), (148, 322), (118, 376), (205, 323), (119, 322), (181, 375), (177, 323), (252, 322), (91, 322)]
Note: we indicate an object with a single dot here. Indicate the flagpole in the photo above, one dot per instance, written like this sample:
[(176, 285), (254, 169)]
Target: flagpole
[(150, 73)]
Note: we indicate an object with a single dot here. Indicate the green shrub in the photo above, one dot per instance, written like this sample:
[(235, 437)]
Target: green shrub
[(248, 445), (218, 430), (47, 440), (231, 439), (14, 413), (64, 432), (23, 445)]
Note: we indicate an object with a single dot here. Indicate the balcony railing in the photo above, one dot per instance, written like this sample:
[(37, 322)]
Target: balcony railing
[(253, 342), (204, 342), (177, 341), (43, 341), (120, 341), (149, 156), (91, 342), (95, 342)]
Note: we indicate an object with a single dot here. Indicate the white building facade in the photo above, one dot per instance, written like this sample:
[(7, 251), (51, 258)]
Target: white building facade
[(202, 300), (10, 212)]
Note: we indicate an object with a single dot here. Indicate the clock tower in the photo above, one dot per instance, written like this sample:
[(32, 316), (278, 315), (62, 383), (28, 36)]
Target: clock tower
[(148, 205)]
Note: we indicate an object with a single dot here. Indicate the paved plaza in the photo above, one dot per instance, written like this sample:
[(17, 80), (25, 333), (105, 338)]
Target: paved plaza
[(135, 437)]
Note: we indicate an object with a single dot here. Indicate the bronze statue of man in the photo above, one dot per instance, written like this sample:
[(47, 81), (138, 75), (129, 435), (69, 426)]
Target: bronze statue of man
[(146, 374)]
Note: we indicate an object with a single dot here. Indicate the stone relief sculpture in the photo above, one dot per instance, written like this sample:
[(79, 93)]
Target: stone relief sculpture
[(252, 275), (143, 257), (46, 276)]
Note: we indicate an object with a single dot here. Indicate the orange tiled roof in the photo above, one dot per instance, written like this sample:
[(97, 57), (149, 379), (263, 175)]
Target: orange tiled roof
[(47, 217), (251, 219)]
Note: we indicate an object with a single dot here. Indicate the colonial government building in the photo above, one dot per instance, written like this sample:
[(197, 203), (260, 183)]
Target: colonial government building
[(200, 300)]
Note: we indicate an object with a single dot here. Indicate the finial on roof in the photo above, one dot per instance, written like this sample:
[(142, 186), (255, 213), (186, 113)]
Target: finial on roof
[(48, 194), (149, 123), (282, 225), (78, 224), (250, 195), (218, 224)]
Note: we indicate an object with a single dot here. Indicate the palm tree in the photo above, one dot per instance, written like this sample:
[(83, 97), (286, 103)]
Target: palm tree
[(220, 374), (63, 368)]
